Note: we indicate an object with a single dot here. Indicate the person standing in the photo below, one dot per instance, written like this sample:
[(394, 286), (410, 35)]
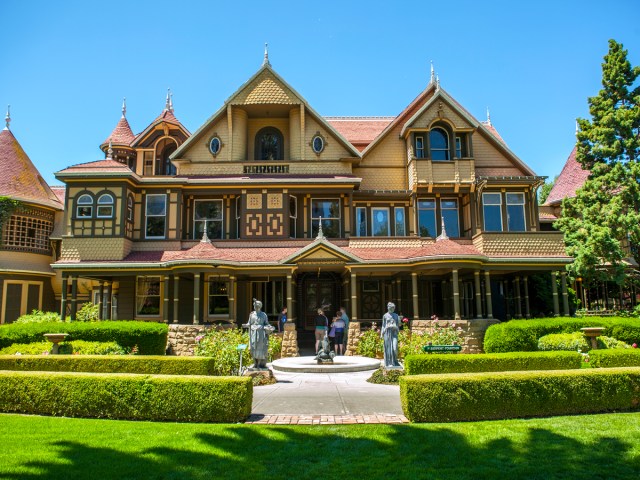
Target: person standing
[(338, 326), (282, 319), (345, 319), (321, 327)]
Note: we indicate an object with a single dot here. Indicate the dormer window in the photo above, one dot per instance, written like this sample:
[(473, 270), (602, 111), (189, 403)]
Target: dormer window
[(419, 147), (105, 206), (439, 144), (84, 206), (269, 144)]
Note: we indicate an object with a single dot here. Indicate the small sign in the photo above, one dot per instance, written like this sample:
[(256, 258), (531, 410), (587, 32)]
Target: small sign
[(441, 348), (242, 346)]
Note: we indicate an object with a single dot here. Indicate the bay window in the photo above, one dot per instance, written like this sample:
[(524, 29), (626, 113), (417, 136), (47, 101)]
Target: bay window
[(515, 212), (492, 209)]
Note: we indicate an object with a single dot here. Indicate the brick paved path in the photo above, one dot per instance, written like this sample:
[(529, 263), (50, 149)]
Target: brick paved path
[(259, 419)]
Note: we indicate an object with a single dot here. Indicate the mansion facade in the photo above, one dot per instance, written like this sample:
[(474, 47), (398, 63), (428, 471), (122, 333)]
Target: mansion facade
[(268, 199)]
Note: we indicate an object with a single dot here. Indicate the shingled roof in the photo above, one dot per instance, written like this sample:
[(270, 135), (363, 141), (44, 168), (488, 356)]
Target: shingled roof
[(569, 181), (359, 131), (122, 135), (20, 179)]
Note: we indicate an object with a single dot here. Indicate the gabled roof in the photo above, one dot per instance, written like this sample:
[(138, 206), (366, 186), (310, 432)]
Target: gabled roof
[(571, 178), (359, 131), (321, 249), (273, 90), (20, 179), (101, 166), (121, 135), (167, 116)]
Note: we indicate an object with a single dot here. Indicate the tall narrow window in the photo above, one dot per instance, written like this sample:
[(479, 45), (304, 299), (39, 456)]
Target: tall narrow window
[(492, 209), (218, 298), (329, 211), (399, 221), (156, 215), (148, 163), (148, 296), (105, 206), (439, 144), (515, 212), (449, 211), (361, 221), (380, 222), (419, 147), (84, 206), (427, 218), (458, 147), (164, 149), (130, 208), (207, 212), (293, 215)]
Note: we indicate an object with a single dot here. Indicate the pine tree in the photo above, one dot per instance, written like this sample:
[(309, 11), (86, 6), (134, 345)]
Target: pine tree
[(601, 224)]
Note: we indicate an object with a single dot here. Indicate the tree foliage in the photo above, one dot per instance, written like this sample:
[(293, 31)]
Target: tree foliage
[(601, 224), (545, 190)]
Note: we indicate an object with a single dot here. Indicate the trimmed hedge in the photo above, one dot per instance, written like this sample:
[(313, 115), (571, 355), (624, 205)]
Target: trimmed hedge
[(127, 396), (150, 337), (523, 335), (109, 364), (491, 362), (77, 347), (488, 396), (615, 358)]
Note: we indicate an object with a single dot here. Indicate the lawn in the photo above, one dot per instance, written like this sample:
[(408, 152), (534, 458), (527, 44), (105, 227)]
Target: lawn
[(588, 446)]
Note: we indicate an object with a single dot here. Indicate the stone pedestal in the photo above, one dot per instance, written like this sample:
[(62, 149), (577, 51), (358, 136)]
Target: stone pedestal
[(262, 376), (289, 341), (353, 338)]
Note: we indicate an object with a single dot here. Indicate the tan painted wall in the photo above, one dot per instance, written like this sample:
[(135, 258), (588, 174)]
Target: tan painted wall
[(239, 128), (199, 151), (32, 262), (75, 249), (333, 148), (294, 134), (256, 124), (488, 156)]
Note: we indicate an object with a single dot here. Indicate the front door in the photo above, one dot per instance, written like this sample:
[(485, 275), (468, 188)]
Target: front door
[(318, 292)]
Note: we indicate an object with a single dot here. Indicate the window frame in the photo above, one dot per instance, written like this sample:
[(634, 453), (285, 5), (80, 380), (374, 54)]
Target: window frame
[(442, 209), (484, 212), (508, 204), (338, 219), (447, 149), (363, 211), (207, 221), (293, 219), (419, 152), (110, 205), (213, 280), (147, 216), (404, 221), (373, 221), (435, 215), (130, 208), (159, 295), (257, 153), (80, 205)]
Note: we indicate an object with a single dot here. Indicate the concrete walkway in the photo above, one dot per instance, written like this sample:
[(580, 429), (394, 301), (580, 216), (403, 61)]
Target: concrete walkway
[(324, 394)]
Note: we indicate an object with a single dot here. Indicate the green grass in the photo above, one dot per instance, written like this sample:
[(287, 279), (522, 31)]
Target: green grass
[(588, 446)]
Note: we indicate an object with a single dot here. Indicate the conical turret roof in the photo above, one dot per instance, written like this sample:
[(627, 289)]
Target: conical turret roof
[(122, 135)]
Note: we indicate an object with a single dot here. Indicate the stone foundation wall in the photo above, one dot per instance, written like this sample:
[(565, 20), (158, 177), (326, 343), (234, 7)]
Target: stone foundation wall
[(182, 338), (290, 341), (472, 330)]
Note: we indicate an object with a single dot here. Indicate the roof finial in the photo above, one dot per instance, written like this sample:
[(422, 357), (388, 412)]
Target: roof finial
[(205, 238), (167, 102), (124, 107), (577, 126), (110, 151), (320, 233), (443, 234), (433, 73), (488, 117), (266, 55), (7, 118), (171, 102), (437, 82)]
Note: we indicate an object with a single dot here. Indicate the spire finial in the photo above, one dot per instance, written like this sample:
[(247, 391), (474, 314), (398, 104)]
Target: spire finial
[(320, 233), (577, 126), (437, 82), (124, 107), (266, 55), (433, 73), (205, 238), (167, 102), (7, 118), (171, 102), (110, 151), (443, 234), (488, 117)]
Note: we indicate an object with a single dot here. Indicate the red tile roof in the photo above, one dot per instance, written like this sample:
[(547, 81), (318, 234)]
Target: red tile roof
[(109, 166), (439, 248), (569, 181), (20, 179), (121, 135), (359, 131), (59, 191), (169, 117), (493, 131)]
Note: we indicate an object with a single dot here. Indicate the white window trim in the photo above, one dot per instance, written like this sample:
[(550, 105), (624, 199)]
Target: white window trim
[(435, 216), (359, 209), (24, 296), (458, 141), (507, 205), (135, 298), (146, 215), (415, 144), (339, 219), (484, 204), (448, 149), (395, 221), (110, 204), (130, 208), (373, 212), (84, 205), (222, 279), (451, 199), (208, 220), (293, 217)]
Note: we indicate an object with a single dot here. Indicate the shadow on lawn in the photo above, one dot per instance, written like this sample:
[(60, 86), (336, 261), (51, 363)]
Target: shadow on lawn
[(390, 452)]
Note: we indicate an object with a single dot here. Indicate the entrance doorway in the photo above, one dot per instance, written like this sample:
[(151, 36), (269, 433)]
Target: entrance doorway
[(317, 291)]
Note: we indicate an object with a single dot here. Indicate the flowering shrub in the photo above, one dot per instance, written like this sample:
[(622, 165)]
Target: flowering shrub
[(38, 316), (437, 334), (370, 345)]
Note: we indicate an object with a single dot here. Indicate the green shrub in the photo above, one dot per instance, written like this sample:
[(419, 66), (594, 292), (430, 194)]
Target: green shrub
[(38, 316), (437, 334), (127, 396), (386, 377), (275, 347), (36, 348), (485, 396), (152, 365), (610, 342), (88, 313), (523, 335), (370, 344), (491, 362), (614, 358), (570, 342), (150, 338), (78, 347)]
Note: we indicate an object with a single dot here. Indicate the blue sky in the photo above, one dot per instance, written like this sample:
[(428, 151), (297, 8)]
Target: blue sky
[(65, 66)]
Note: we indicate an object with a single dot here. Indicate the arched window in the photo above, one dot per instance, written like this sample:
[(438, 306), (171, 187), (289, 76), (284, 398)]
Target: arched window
[(439, 144), (105, 206), (269, 144), (164, 149), (84, 208)]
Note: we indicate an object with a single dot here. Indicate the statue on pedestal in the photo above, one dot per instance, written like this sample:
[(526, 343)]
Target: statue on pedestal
[(259, 330), (389, 334)]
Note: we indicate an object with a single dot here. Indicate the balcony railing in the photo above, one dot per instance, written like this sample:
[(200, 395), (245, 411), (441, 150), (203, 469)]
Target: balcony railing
[(460, 170), (520, 244), (268, 168)]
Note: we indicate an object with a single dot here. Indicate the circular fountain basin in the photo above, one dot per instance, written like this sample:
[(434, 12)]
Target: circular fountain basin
[(341, 364)]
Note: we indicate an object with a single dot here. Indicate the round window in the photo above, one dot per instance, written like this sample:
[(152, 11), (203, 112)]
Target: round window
[(214, 145), (317, 143)]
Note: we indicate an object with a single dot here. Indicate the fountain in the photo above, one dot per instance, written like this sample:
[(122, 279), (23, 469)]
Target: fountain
[(593, 333), (55, 338)]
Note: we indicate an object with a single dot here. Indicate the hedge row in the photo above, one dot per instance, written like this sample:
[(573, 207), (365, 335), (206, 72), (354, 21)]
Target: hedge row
[(150, 337), (485, 396), (523, 335), (491, 362), (615, 358), (110, 364), (127, 396)]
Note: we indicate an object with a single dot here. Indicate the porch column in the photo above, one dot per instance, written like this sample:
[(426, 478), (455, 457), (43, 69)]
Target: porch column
[(63, 298), (476, 278), (176, 285), (232, 298), (74, 297), (456, 295), (196, 298), (165, 308), (487, 288), (518, 303), (289, 297), (101, 301), (354, 297), (414, 293), (554, 289), (109, 296), (565, 294), (527, 310)]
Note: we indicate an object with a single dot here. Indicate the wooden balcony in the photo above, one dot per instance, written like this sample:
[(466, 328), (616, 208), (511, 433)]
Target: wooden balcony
[(461, 170), (520, 244)]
